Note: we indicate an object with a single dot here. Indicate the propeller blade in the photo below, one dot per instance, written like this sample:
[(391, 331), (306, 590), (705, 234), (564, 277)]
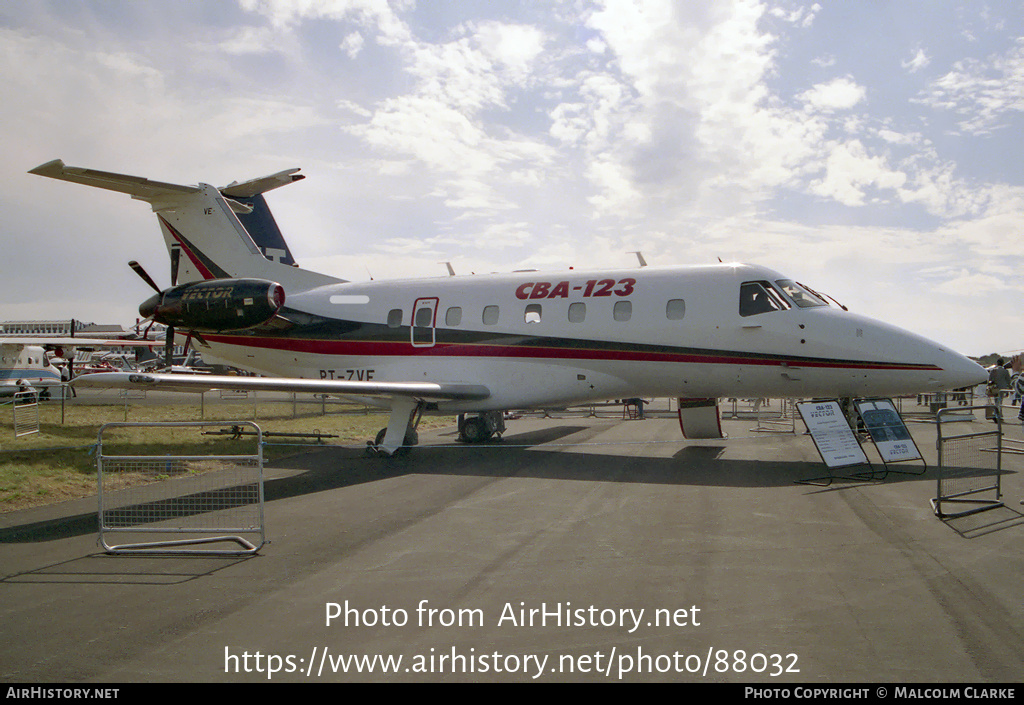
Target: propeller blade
[(175, 257), (142, 273), (169, 348)]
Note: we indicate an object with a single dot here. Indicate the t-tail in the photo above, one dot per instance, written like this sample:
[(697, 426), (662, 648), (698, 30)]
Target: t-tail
[(210, 232)]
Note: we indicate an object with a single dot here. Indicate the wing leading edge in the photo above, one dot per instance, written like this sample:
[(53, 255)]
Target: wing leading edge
[(424, 391), (78, 342)]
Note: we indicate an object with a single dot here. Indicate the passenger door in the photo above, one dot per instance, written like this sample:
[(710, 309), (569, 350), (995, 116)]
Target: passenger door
[(424, 320)]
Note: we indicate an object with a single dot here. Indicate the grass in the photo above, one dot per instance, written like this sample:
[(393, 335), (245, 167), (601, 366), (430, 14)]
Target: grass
[(59, 464)]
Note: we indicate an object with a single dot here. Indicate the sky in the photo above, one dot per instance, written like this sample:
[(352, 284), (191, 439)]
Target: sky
[(871, 150)]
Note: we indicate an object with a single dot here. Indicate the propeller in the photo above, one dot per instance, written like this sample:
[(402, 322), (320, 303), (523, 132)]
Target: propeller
[(169, 336)]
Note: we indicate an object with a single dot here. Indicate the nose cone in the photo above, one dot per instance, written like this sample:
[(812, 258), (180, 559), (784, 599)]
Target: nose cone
[(927, 366), (958, 371)]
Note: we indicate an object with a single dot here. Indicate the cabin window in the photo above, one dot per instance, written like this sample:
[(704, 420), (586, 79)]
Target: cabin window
[(424, 317), (675, 309), (577, 312), (453, 317), (759, 297), (532, 313), (623, 310), (395, 318), (490, 315)]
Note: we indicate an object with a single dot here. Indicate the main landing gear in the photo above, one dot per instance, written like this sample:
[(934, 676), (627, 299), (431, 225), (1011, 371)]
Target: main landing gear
[(482, 427), (399, 436), (411, 439)]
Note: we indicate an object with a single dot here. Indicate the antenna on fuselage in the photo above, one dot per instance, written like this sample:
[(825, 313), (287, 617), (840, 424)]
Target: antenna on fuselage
[(451, 270), (639, 256)]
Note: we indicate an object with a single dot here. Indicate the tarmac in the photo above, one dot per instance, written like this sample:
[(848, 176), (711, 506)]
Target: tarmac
[(575, 549)]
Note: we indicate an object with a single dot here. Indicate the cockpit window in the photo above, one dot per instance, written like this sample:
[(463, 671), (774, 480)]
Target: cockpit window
[(801, 295), (759, 297)]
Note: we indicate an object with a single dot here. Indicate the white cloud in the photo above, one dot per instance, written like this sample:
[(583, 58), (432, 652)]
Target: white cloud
[(983, 93), (514, 47), (838, 94), (975, 285), (616, 191), (251, 40), (439, 124), (918, 62), (850, 170), (893, 137), (352, 44), (380, 14), (801, 16)]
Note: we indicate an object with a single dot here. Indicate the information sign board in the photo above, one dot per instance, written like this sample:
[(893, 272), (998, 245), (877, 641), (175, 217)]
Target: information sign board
[(832, 435), (886, 428)]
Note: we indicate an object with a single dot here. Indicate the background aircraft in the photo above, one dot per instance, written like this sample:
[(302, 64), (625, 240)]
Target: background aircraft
[(486, 343), (27, 360)]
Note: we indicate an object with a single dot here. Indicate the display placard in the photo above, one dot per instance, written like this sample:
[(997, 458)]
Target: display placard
[(886, 428), (832, 435)]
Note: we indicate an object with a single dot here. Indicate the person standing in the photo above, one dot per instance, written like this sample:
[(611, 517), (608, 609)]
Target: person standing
[(1018, 388), (998, 378)]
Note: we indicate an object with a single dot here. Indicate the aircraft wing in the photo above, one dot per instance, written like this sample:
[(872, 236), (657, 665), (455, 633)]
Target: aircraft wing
[(78, 342), (425, 391)]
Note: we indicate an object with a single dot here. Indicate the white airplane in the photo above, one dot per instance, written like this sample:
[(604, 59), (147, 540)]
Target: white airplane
[(482, 344), (26, 360), (23, 366)]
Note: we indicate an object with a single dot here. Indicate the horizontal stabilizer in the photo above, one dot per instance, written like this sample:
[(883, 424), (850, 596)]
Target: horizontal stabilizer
[(253, 187), (136, 186), (425, 391)]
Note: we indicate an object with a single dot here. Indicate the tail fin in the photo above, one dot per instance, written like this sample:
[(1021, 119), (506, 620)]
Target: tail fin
[(259, 221), (205, 225)]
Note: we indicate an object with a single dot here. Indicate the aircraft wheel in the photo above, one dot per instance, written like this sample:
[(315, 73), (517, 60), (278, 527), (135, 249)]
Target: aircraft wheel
[(411, 438), (475, 430)]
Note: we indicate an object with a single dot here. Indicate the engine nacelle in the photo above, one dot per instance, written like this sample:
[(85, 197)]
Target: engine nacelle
[(216, 305)]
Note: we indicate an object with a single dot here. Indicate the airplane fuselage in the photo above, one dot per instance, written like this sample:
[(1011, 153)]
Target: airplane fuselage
[(556, 338)]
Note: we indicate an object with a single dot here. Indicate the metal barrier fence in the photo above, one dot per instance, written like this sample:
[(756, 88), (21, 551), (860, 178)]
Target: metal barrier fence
[(26, 413), (970, 464), (205, 499), (781, 421)]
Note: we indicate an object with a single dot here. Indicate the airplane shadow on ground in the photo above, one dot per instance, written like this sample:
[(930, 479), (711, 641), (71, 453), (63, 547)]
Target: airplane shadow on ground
[(540, 454)]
